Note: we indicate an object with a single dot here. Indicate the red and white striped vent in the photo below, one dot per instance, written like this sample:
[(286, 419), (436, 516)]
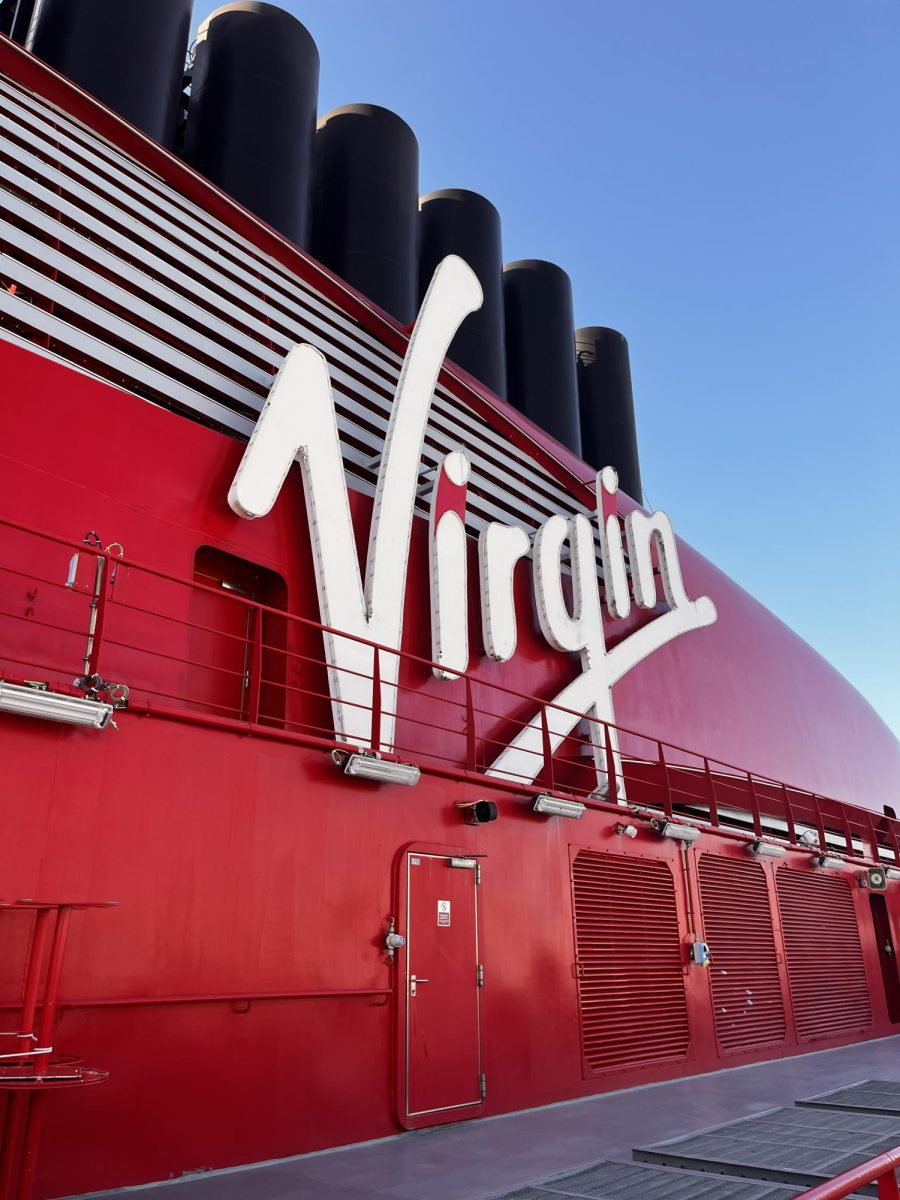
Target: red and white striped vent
[(825, 963), (629, 962), (743, 974)]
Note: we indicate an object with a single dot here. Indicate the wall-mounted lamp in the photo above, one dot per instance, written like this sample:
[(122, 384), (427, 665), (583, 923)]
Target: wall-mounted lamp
[(551, 807), (381, 770), (53, 706), (675, 831), (830, 861), (629, 831), (766, 849)]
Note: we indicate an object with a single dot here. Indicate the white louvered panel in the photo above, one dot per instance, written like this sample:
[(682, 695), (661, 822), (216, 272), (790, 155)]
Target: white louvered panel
[(133, 283)]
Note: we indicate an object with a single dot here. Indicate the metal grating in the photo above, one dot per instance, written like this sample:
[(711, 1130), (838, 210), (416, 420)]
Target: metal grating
[(878, 1096), (629, 962), (110, 270), (800, 1146), (829, 991), (744, 975), (633, 1181)]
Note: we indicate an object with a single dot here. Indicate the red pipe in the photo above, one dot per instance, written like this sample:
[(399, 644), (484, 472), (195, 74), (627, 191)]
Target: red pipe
[(882, 1170)]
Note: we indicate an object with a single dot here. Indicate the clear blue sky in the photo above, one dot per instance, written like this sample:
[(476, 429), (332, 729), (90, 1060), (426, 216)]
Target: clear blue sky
[(722, 182)]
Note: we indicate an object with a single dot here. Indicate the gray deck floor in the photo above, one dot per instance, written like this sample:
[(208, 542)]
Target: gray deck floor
[(479, 1159)]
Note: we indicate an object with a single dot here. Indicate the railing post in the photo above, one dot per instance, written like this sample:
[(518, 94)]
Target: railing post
[(892, 831), (848, 831), (376, 701), (887, 1185), (667, 787), (255, 680), (612, 783), (98, 619), (874, 846), (789, 816), (545, 744), (820, 824), (754, 805), (471, 744), (713, 800)]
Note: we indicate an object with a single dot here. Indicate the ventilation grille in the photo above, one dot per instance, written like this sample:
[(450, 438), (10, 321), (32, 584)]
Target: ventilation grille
[(825, 963), (743, 974), (629, 962)]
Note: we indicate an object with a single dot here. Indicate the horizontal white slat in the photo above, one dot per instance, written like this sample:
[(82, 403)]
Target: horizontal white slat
[(192, 296)]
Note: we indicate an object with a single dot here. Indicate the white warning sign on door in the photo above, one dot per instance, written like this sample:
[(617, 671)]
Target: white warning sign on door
[(443, 912)]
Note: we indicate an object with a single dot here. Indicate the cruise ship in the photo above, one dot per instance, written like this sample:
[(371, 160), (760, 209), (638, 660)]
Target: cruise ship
[(372, 758)]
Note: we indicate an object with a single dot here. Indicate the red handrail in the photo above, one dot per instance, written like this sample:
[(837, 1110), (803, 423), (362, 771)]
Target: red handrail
[(454, 730), (881, 1170)]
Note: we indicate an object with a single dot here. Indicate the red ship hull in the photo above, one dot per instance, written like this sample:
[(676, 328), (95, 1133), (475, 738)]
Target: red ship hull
[(240, 995)]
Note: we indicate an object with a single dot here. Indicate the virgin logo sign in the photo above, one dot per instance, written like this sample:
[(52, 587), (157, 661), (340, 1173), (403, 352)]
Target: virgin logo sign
[(299, 422)]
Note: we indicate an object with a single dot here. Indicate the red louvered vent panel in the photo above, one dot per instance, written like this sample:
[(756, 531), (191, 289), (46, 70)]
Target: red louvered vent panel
[(630, 977), (743, 974), (824, 957)]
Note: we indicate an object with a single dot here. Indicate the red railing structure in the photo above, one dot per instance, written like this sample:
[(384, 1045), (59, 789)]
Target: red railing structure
[(881, 1170), (29, 1066), (184, 650)]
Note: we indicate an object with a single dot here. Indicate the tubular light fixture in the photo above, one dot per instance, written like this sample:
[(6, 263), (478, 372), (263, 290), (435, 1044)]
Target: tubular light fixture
[(675, 831), (382, 770), (766, 849), (831, 861), (53, 706), (551, 807), (892, 873)]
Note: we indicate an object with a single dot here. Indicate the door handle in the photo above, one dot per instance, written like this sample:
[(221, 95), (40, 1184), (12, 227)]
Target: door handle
[(413, 982)]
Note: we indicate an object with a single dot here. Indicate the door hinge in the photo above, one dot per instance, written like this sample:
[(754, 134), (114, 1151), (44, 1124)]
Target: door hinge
[(477, 873), (479, 975), (482, 1086)]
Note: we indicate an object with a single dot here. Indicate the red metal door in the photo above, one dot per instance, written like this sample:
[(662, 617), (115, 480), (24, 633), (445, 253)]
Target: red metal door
[(887, 955), (443, 1053)]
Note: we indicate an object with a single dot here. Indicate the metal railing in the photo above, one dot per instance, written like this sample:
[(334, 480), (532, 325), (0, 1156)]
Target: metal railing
[(881, 1170), (183, 649)]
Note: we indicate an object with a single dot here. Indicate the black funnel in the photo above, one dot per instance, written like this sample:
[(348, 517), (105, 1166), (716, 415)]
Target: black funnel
[(129, 55), (366, 204), (252, 114), (455, 221), (608, 434), (540, 347)]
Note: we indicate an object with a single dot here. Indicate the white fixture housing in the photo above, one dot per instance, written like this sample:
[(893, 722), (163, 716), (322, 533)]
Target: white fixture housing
[(831, 861), (382, 770), (551, 807), (893, 873), (675, 831), (767, 849), (54, 706)]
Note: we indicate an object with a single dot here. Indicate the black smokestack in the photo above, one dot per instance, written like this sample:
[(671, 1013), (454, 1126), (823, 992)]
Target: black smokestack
[(455, 221), (608, 434), (252, 113), (366, 204), (540, 347), (129, 55)]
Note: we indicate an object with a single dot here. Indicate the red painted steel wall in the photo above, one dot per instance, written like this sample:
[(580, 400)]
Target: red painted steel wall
[(249, 869)]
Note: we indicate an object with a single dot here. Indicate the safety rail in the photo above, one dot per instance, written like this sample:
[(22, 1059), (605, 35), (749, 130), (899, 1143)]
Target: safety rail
[(881, 1170), (123, 631), (30, 1067)]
